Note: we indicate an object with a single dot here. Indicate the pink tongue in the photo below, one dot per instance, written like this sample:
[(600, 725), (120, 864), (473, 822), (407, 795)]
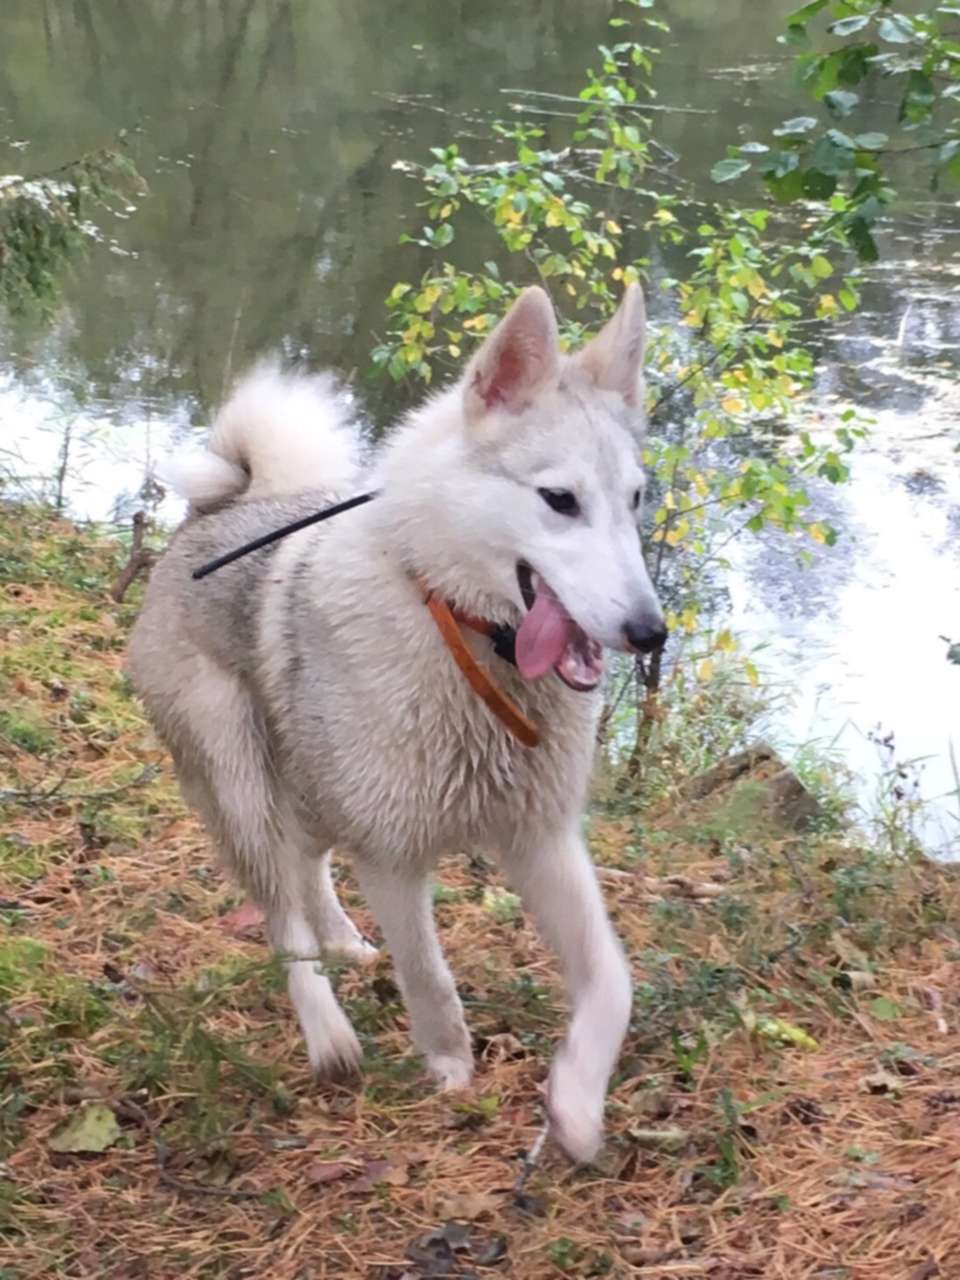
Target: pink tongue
[(543, 635)]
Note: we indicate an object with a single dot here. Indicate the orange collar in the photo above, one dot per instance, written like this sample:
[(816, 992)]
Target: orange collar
[(502, 706)]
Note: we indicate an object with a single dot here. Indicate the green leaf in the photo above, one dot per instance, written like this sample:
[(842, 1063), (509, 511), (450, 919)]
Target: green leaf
[(871, 141), (91, 1128), (858, 232), (897, 29), (840, 102), (799, 124), (848, 298), (806, 12), (727, 170), (847, 26), (918, 99), (885, 1009), (821, 267), (790, 186), (817, 185), (832, 156), (781, 163)]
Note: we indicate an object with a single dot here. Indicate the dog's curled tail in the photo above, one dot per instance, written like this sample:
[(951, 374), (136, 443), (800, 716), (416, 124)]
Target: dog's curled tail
[(278, 433)]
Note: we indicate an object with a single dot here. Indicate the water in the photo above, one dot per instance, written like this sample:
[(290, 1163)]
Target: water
[(268, 131)]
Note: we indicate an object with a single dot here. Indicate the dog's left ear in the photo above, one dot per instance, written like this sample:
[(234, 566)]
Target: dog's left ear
[(519, 359), (614, 359)]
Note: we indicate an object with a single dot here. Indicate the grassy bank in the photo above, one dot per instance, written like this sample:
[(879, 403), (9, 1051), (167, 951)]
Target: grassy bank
[(787, 1106)]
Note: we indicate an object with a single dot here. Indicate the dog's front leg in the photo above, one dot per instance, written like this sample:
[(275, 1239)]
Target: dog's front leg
[(402, 904), (559, 888)]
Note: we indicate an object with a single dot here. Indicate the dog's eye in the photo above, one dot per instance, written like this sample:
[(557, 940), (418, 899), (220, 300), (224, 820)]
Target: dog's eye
[(561, 500)]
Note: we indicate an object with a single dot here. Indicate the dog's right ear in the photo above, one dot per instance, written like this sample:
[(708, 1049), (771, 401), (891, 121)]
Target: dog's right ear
[(519, 359)]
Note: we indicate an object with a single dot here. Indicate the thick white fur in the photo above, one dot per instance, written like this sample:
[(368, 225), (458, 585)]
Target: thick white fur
[(384, 749), (276, 434)]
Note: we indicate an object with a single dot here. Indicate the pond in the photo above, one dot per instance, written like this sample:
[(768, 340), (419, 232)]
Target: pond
[(269, 130)]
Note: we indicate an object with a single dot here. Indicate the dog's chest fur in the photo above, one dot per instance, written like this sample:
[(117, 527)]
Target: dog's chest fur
[(378, 734)]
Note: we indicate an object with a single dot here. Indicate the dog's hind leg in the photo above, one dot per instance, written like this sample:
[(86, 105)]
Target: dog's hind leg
[(559, 887), (334, 928), (332, 1044), (401, 901), (226, 773)]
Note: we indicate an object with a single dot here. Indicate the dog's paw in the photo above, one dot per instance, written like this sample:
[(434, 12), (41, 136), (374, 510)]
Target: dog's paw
[(575, 1114), (335, 1056), (354, 948), (450, 1072), (332, 1045)]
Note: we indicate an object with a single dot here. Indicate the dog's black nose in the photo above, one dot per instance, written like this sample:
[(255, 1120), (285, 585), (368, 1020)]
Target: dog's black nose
[(645, 635)]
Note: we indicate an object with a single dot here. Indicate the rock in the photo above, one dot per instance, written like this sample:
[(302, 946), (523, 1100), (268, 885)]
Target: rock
[(756, 794)]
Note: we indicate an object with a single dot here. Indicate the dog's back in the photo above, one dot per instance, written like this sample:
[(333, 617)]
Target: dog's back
[(193, 654)]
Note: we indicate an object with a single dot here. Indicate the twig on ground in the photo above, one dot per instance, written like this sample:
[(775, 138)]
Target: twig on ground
[(530, 1161), (141, 558), (54, 795), (196, 1188)]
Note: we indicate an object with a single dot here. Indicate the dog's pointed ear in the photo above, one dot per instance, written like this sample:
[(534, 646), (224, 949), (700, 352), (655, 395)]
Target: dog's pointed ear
[(614, 359), (518, 359)]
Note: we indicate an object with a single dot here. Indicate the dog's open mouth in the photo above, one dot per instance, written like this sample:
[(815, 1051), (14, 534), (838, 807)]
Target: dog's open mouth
[(548, 639)]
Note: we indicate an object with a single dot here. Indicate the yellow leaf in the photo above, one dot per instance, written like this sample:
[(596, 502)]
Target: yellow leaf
[(693, 318), (774, 339), (725, 641), (705, 671), (669, 501), (828, 304), (817, 534), (700, 485), (786, 1033), (733, 404), (613, 227), (689, 619), (753, 675), (454, 350), (446, 211), (756, 288), (616, 273)]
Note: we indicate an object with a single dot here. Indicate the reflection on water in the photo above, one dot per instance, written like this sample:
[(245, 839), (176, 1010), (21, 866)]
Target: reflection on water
[(268, 131)]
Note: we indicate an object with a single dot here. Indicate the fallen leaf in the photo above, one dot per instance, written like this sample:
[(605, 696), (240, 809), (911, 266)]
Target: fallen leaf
[(785, 1033), (330, 1171), (926, 1271), (885, 1009), (245, 922), (382, 1171), (469, 1205), (882, 1082), (91, 1128), (670, 1139)]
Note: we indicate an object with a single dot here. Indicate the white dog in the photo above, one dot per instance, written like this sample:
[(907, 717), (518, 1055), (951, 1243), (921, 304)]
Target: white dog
[(312, 699)]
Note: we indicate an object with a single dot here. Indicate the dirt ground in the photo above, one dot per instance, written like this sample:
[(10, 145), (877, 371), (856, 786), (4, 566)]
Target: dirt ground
[(787, 1106)]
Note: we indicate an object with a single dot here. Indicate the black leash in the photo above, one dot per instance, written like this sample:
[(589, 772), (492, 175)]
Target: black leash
[(503, 637), (277, 534)]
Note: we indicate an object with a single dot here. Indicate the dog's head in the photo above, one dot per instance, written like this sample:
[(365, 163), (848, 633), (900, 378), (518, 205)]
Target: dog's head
[(537, 488)]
